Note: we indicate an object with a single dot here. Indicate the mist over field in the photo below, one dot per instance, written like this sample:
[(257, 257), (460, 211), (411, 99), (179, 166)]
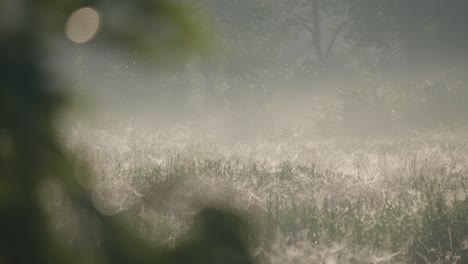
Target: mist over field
[(336, 130), (351, 69)]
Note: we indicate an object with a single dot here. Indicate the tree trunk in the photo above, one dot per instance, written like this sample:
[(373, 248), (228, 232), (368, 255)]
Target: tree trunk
[(316, 33)]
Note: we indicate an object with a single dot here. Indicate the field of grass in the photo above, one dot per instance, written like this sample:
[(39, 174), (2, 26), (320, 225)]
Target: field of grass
[(310, 199)]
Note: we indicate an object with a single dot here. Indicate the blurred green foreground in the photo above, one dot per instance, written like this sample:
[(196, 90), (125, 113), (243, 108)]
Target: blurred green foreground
[(31, 157)]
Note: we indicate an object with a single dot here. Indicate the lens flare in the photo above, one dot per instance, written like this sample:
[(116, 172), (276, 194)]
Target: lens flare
[(82, 25)]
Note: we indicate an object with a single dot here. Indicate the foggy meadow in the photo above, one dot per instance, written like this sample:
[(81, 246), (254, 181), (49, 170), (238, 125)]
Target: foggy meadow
[(337, 130)]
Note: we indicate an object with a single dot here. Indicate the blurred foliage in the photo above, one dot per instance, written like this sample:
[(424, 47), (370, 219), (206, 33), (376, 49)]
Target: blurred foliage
[(436, 103), (423, 33), (31, 157), (374, 106)]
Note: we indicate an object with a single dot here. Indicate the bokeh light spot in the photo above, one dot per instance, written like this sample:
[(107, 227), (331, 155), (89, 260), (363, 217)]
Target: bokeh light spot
[(82, 25)]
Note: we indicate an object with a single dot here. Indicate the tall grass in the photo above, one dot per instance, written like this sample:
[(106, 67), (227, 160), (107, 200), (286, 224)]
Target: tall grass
[(312, 201)]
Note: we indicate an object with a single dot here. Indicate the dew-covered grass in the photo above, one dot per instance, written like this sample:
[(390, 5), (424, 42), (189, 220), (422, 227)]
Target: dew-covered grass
[(310, 199)]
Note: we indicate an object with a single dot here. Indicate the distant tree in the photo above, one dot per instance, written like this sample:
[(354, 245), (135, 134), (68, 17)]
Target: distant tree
[(424, 33), (240, 29), (309, 15)]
